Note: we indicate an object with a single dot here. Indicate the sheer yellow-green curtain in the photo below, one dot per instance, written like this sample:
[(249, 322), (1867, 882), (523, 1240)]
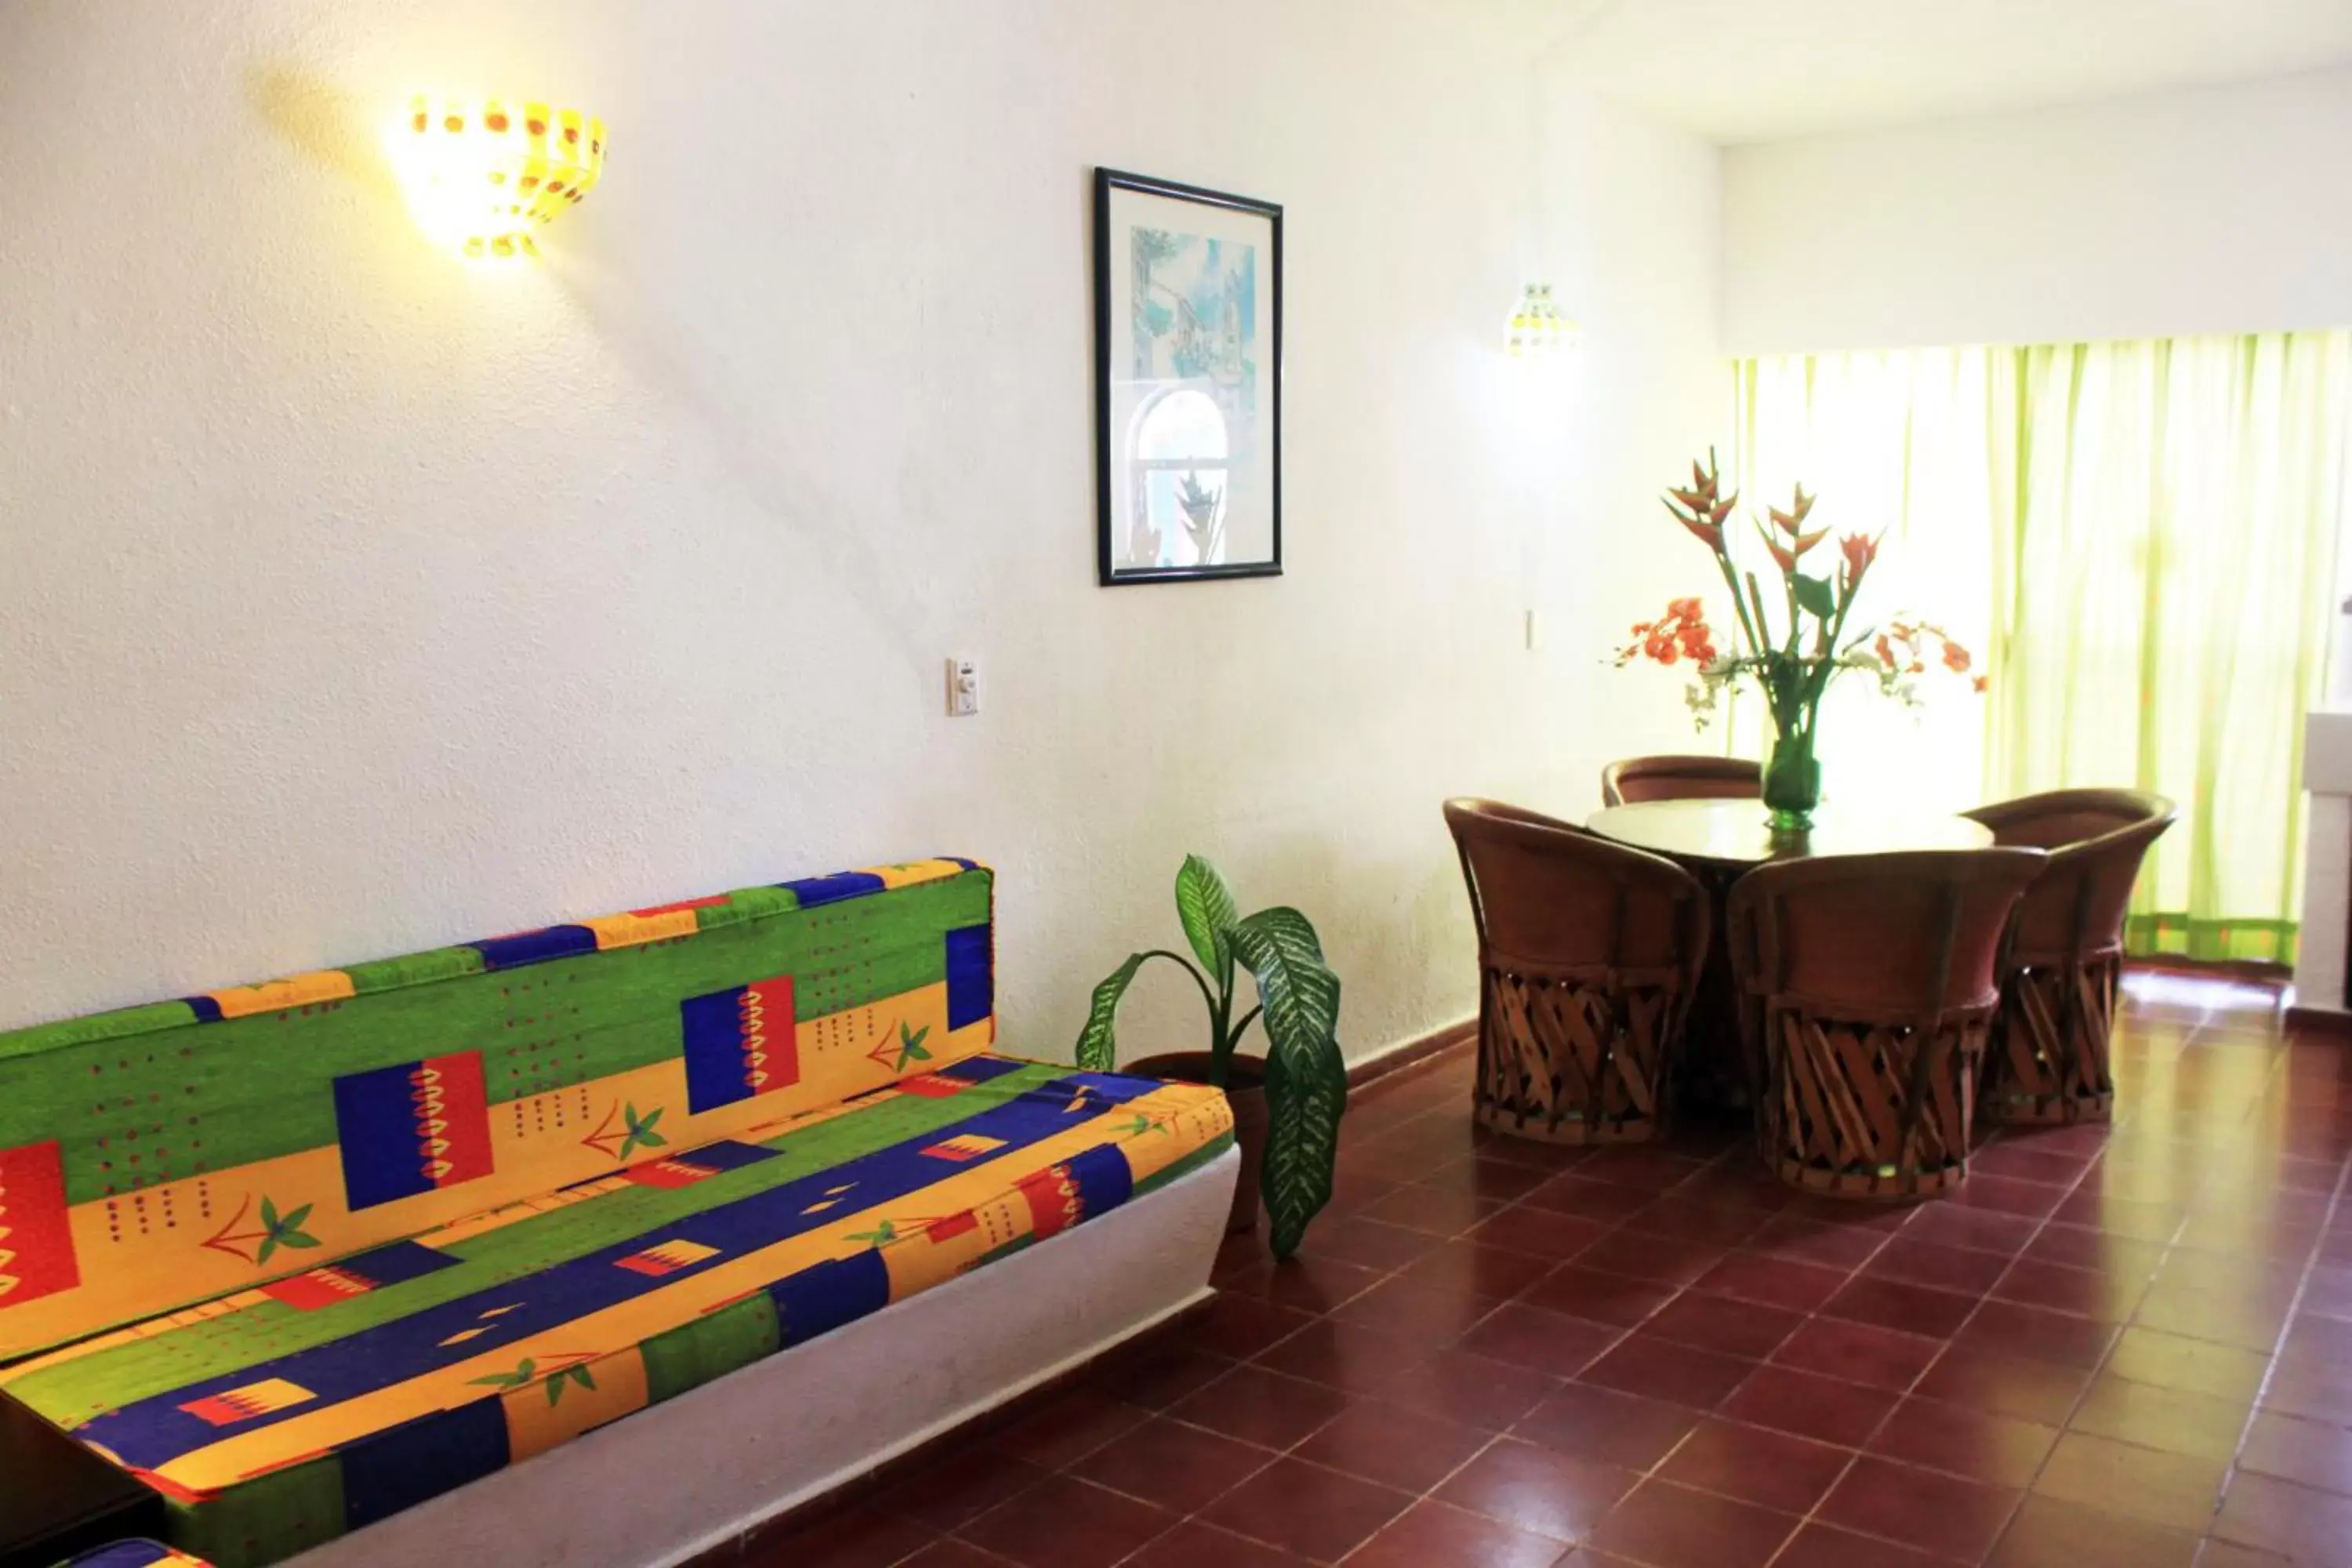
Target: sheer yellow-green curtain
[(2149, 540)]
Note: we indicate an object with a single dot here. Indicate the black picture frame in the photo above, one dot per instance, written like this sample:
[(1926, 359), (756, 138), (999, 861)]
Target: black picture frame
[(1110, 463)]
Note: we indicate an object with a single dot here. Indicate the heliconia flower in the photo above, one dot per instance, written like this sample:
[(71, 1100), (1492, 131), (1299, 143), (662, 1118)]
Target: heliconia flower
[(1781, 553), (1792, 522), (1707, 533), (1806, 541), (1697, 500), (1860, 551)]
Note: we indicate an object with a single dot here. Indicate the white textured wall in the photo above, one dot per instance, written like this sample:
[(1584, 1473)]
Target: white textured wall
[(353, 602), (2213, 210)]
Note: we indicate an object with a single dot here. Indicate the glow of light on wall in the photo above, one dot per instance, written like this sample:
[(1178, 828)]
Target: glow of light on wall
[(482, 177)]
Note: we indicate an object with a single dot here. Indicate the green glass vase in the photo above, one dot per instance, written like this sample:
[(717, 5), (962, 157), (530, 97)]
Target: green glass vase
[(1793, 780)]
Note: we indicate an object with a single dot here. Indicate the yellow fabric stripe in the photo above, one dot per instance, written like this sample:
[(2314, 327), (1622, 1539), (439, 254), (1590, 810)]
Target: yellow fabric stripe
[(914, 871), (278, 995), (635, 931), (632, 1323)]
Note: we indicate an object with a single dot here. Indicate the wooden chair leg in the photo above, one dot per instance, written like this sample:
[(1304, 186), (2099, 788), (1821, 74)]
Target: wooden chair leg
[(2051, 1059), (1569, 1061), (1870, 1112)]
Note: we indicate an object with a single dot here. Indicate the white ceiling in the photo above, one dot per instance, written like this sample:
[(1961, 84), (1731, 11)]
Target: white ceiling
[(1756, 71)]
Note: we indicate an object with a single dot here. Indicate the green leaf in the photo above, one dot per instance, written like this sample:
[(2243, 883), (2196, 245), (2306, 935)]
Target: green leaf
[(1306, 1077), (1814, 596), (297, 1239), (910, 1046), (555, 1388), (268, 1214), (294, 1221), (1097, 1046), (268, 1246), (1205, 905)]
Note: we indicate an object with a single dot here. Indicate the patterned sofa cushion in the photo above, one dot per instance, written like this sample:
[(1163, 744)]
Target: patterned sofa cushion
[(177, 1152), (276, 1417), (135, 1555)]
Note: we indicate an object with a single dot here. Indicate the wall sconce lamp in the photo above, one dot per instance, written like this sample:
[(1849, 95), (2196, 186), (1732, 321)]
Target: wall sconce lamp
[(481, 177), (1537, 328)]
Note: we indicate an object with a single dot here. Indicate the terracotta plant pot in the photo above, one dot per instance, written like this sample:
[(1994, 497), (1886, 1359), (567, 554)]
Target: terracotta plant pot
[(1245, 1092)]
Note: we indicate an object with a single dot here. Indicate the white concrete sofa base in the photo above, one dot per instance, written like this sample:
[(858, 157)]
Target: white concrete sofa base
[(673, 1481)]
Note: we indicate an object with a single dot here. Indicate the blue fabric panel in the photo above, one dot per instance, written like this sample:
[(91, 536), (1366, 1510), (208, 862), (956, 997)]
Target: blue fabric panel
[(122, 1555), (967, 865), (819, 1300), (971, 976), (375, 1124), (978, 1069), (1103, 1178), (534, 946), (404, 1464), (815, 891), (396, 1263), (728, 1155), (207, 1011), (149, 1433), (714, 1050)]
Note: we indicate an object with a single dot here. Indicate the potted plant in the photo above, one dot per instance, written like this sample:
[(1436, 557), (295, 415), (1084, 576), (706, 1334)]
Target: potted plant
[(1287, 1103), (1794, 672)]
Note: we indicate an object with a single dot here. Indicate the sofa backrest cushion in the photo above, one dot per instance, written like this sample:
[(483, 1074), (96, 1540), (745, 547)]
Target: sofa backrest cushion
[(173, 1154)]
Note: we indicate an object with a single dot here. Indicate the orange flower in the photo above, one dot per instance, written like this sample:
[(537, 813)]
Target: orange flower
[(1860, 551), (1957, 658), (1982, 683), (1792, 522), (1684, 609), (1668, 653)]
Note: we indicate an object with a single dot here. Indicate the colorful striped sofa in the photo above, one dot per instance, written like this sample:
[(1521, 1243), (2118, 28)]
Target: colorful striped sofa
[(303, 1255)]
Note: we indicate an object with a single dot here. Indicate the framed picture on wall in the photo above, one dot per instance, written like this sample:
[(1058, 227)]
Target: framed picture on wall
[(1188, 382)]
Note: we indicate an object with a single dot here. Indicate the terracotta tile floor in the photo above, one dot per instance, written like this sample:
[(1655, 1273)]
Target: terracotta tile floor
[(2127, 1346)]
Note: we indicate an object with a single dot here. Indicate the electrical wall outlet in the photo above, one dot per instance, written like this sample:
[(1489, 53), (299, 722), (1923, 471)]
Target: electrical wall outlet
[(963, 688)]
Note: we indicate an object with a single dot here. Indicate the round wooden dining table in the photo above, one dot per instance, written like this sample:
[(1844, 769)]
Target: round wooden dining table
[(1718, 841)]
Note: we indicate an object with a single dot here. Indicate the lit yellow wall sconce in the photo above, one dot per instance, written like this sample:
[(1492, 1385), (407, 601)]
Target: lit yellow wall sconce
[(480, 177), (1537, 328)]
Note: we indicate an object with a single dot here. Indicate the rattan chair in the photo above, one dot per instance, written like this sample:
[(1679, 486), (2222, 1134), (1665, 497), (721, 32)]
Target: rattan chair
[(1871, 983), (1589, 952), (1634, 780), (2049, 1056)]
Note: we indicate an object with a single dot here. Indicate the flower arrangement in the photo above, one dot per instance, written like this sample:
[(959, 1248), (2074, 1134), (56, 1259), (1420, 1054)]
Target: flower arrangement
[(1794, 672)]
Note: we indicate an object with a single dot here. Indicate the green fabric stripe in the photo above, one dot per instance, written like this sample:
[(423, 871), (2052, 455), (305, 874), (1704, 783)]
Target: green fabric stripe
[(267, 1519), (120, 1024), (2174, 934), (73, 1391), (416, 969), (255, 1089), (710, 1347)]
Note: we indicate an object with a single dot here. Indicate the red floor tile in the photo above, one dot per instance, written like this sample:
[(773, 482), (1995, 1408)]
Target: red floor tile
[(1660, 1368), (1538, 1489), (1466, 1266), (1710, 1322), (1173, 1466), (872, 1535), (2309, 1453), (2304, 1525), (2173, 1419), (1614, 1428), (1675, 1527), (1545, 1342), (1673, 1261), (1432, 1532), (2047, 1533), (1933, 1512), (1771, 1469), (1773, 1282), (2171, 1361), (1063, 1523), (2029, 1334), (1825, 1546), (1824, 1408), (1317, 1513), (1978, 1230), (1313, 1285), (963, 1487), (2084, 1293), (1859, 1353), (1460, 1387), (1240, 1326), (1262, 1407), (1930, 1263), (1977, 1444), (1597, 1296), (2176, 1490), (1407, 1449), (1338, 1354), (1892, 1304), (948, 1552), (1193, 1545), (1559, 1236)]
